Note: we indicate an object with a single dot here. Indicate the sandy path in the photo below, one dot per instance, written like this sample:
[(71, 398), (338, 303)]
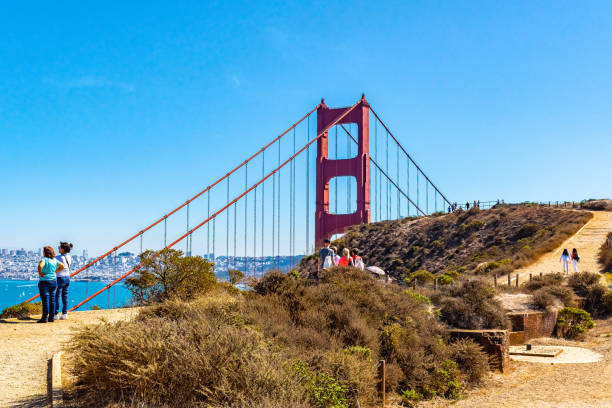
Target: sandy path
[(25, 350), (587, 241), (540, 385)]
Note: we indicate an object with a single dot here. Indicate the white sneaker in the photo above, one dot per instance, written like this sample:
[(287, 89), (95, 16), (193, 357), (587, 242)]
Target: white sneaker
[(64, 317), (58, 316)]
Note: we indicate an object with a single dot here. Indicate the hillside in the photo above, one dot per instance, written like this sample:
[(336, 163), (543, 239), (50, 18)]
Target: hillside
[(499, 240)]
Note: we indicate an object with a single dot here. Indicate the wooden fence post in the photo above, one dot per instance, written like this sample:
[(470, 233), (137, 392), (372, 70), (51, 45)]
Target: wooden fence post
[(382, 374), (540, 275), (509, 279), (495, 280), (530, 277), (435, 282), (517, 280)]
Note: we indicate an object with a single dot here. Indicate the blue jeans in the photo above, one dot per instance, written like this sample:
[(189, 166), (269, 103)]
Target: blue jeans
[(47, 297), (62, 290)]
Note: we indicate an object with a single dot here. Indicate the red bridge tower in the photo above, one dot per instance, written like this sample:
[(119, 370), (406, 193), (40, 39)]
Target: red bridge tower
[(326, 223)]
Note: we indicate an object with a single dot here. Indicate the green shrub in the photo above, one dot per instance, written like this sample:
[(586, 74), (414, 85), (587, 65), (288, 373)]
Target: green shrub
[(361, 352), (496, 264), (22, 310), (417, 297), (421, 277), (445, 279), (95, 307), (410, 396), (322, 390), (572, 322), (235, 276), (471, 226), (437, 244), (169, 274)]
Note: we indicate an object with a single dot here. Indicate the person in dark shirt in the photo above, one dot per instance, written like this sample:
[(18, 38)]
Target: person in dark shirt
[(326, 257)]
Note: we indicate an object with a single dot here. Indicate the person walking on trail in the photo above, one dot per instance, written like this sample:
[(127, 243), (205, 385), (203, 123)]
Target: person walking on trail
[(565, 258), (326, 257), (63, 280), (47, 283), (357, 261), (575, 259), (346, 259)]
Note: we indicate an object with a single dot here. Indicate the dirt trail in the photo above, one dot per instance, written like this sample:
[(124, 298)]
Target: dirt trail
[(25, 350), (541, 385), (587, 241)]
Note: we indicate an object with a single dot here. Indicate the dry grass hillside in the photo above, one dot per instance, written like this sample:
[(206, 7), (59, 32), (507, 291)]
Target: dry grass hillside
[(597, 204), (497, 240)]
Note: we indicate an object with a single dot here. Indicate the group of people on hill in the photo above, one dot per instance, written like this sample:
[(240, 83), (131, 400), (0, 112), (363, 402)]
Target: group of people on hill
[(566, 258), (54, 279), (328, 257)]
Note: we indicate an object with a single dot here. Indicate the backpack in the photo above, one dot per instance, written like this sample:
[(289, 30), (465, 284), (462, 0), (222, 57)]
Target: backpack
[(327, 263), (358, 263)]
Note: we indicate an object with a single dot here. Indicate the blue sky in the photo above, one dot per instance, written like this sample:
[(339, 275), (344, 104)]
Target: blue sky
[(113, 113)]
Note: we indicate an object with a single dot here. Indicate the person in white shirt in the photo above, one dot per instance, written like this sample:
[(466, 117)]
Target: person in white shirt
[(565, 258), (63, 280)]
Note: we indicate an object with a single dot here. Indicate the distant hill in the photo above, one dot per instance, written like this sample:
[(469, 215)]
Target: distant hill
[(597, 204), (476, 241)]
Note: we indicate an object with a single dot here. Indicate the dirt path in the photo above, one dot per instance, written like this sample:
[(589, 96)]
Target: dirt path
[(540, 385), (25, 350), (587, 241)]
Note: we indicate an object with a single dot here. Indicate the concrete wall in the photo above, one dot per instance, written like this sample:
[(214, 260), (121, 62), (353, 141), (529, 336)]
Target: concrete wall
[(494, 342)]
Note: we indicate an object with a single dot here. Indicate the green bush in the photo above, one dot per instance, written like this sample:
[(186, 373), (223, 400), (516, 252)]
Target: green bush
[(22, 310), (445, 279), (95, 307), (361, 352), (572, 322), (471, 226), (410, 396), (168, 274), (417, 297), (235, 276), (421, 277), (322, 390)]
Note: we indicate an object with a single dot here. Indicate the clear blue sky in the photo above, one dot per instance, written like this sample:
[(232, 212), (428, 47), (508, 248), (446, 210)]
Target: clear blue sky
[(112, 113)]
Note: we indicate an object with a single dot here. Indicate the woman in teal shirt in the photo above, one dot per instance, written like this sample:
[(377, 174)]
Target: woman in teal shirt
[(48, 283)]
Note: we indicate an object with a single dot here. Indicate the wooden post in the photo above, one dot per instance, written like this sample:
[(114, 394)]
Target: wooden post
[(414, 284), (509, 279), (540, 275), (517, 280), (382, 375), (495, 280), (435, 283), (530, 277)]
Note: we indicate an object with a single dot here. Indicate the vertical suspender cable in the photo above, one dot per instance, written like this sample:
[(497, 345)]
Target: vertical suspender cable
[(408, 184), (273, 220), (387, 190), (115, 277), (140, 244), (255, 232), (227, 222), (246, 208), (235, 224), (188, 236), (397, 164), (293, 162), (213, 246), (336, 178), (208, 229), (278, 209), (376, 209), (263, 210), (417, 190), (308, 190)]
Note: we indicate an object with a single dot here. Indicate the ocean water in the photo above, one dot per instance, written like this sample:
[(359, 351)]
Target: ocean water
[(15, 291)]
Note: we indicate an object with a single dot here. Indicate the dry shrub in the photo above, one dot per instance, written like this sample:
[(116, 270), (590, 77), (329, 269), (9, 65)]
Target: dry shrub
[(245, 351), (22, 310), (205, 359), (550, 290), (472, 360), (471, 305), (605, 254), (591, 292)]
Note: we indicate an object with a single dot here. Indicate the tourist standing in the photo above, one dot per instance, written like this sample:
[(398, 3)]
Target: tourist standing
[(575, 259), (346, 259), (336, 256), (357, 261), (565, 258), (326, 257), (63, 280), (47, 283)]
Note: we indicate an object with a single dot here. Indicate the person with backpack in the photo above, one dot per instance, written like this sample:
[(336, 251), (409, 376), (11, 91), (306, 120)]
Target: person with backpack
[(357, 261), (336, 256), (346, 259), (575, 259), (326, 257), (565, 258), (47, 283), (63, 280)]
